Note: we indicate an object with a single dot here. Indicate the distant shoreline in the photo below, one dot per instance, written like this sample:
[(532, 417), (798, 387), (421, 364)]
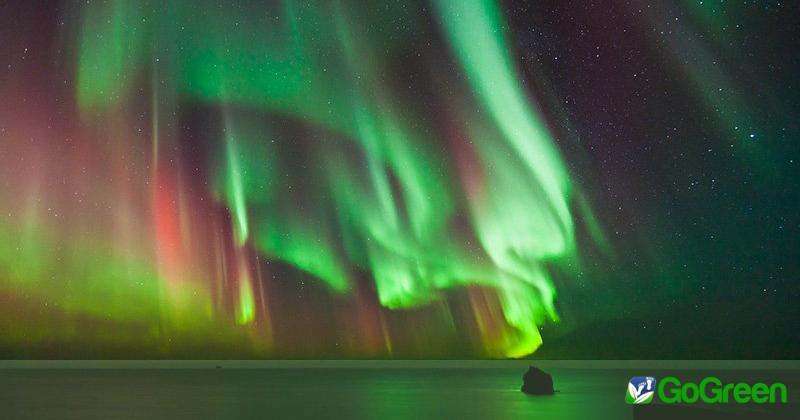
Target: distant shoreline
[(402, 364)]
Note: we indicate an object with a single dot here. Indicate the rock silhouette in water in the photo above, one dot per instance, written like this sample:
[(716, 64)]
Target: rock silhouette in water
[(537, 382)]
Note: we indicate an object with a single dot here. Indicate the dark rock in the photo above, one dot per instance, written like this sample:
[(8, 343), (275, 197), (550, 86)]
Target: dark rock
[(537, 382)]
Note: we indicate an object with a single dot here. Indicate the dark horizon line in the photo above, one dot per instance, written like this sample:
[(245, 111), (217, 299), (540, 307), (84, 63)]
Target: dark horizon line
[(729, 364)]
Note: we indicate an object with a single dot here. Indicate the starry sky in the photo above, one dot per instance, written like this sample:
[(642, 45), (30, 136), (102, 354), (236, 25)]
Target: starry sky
[(420, 179)]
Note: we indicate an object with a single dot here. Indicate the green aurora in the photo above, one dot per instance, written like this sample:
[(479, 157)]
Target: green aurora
[(308, 179), (385, 198)]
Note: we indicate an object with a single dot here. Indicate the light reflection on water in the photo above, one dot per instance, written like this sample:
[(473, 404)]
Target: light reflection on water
[(306, 393)]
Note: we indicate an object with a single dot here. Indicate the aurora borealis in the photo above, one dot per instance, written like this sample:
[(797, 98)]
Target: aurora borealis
[(341, 179)]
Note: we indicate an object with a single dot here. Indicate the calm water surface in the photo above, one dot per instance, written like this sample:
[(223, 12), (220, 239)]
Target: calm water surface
[(304, 393)]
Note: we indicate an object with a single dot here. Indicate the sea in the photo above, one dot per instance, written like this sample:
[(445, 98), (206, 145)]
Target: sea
[(297, 392)]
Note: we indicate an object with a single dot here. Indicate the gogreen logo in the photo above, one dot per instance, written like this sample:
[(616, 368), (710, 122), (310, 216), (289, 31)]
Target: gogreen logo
[(640, 390), (710, 390)]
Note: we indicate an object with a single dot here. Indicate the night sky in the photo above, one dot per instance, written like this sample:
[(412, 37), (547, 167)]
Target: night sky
[(421, 179)]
